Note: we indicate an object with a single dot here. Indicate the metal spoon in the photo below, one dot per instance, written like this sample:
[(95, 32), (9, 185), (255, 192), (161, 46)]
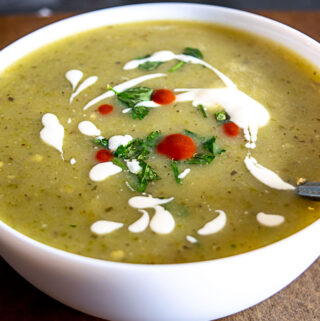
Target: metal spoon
[(309, 189)]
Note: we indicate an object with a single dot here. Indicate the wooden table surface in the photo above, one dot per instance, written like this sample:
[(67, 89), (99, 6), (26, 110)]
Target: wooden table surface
[(20, 301)]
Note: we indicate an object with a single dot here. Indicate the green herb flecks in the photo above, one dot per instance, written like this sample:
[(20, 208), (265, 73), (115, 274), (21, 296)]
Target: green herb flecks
[(150, 65), (132, 96), (73, 225), (176, 173), (194, 52), (203, 111), (221, 116), (103, 142)]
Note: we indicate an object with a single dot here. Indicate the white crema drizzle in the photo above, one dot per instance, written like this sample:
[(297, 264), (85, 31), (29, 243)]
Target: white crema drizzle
[(74, 76), (141, 224), (53, 132), (104, 227), (214, 226), (102, 171), (247, 113), (270, 220), (88, 128), (265, 175), (162, 221)]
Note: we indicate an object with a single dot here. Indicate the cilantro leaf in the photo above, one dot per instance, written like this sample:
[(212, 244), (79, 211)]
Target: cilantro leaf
[(194, 135), (150, 65), (201, 159), (209, 144), (175, 169), (152, 137), (139, 112), (194, 52), (135, 149), (118, 162), (138, 148), (146, 175), (101, 142), (133, 96)]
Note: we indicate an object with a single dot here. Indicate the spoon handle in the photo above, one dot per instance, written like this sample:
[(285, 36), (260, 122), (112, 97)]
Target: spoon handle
[(310, 189)]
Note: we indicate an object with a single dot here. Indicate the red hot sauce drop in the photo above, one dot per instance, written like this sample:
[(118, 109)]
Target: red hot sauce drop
[(177, 147), (103, 155), (231, 129), (163, 96), (105, 109)]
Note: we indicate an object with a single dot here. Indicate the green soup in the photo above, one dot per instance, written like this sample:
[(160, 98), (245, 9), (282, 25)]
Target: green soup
[(58, 199)]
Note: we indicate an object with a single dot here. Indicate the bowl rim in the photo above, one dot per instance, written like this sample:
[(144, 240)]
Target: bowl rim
[(126, 265)]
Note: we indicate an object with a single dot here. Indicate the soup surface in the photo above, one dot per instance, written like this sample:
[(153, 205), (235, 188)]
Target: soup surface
[(127, 143)]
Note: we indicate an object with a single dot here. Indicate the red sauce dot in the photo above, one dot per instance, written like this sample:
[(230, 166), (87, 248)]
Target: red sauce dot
[(105, 109), (231, 129), (103, 155), (177, 146), (163, 96)]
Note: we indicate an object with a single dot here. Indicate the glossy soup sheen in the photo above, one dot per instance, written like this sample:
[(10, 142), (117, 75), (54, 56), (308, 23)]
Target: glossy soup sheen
[(56, 203)]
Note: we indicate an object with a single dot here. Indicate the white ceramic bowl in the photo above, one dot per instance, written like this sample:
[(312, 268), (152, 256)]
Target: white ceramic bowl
[(187, 292)]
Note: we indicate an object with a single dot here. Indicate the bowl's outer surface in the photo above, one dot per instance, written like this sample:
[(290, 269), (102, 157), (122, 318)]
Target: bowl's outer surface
[(187, 292)]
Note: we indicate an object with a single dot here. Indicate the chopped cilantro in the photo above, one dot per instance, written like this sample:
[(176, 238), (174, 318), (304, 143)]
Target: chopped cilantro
[(194, 135), (133, 96), (118, 162), (221, 116), (146, 175), (139, 112), (152, 138), (133, 150), (200, 159), (138, 148), (150, 65), (203, 111), (194, 52), (73, 226), (175, 169), (101, 142), (209, 144), (177, 66)]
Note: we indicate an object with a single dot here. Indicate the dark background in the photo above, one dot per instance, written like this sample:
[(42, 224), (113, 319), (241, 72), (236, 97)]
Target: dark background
[(23, 6)]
